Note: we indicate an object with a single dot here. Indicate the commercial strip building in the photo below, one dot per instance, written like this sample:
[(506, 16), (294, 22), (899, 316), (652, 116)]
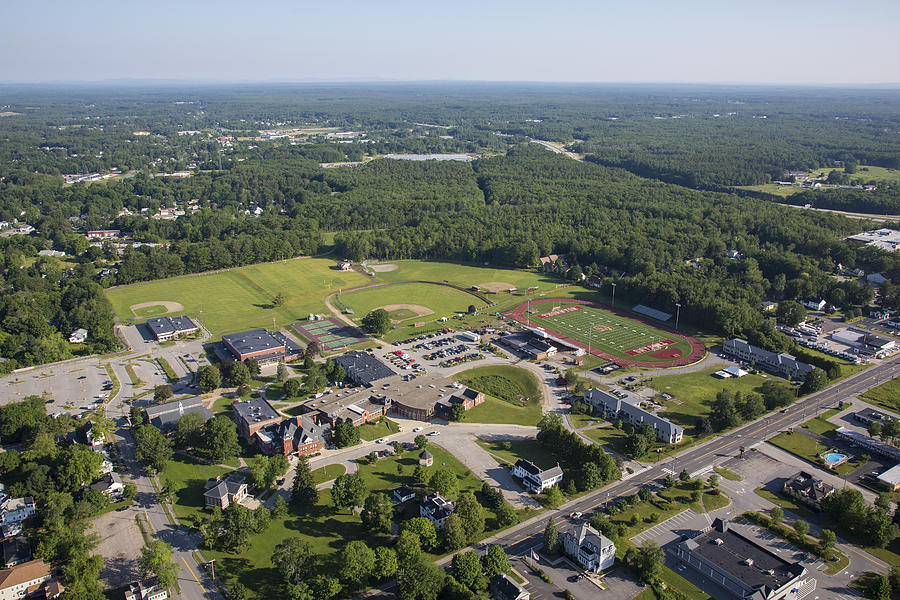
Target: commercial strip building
[(780, 363), (867, 343), (630, 411), (166, 328), (890, 479), (536, 479), (807, 489), (868, 443), (263, 346), (729, 557), (166, 416)]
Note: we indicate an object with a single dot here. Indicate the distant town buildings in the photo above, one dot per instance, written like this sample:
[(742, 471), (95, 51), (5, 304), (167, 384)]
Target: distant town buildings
[(884, 239)]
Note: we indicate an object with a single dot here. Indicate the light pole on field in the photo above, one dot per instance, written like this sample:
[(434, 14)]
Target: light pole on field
[(677, 313), (590, 331), (613, 305)]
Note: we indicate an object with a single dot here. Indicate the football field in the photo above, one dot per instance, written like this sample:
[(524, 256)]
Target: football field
[(606, 332)]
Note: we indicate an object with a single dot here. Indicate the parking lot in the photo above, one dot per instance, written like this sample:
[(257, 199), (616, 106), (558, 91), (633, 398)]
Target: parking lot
[(68, 387)]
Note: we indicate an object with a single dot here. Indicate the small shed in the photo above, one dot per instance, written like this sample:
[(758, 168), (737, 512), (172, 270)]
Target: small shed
[(426, 459)]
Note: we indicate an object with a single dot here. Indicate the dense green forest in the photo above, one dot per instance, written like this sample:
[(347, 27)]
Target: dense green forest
[(630, 209)]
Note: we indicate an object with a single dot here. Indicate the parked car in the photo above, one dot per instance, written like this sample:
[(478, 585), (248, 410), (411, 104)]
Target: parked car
[(380, 440)]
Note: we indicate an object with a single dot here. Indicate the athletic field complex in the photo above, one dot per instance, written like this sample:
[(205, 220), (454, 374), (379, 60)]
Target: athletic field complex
[(624, 339)]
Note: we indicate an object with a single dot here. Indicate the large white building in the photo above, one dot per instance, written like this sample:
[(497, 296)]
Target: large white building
[(781, 363), (536, 479), (590, 548)]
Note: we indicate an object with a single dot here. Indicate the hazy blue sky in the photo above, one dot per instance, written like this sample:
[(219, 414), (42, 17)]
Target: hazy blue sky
[(786, 41)]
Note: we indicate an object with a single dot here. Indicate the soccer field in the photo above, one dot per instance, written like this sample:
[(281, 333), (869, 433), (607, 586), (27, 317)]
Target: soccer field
[(613, 334)]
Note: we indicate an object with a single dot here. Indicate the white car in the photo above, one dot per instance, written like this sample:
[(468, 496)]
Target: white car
[(417, 429), (576, 515), (433, 433), (380, 440)]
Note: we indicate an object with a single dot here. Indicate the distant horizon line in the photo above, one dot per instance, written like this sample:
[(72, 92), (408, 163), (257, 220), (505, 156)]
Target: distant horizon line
[(158, 81)]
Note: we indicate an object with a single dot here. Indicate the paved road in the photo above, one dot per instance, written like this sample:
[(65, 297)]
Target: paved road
[(519, 539)]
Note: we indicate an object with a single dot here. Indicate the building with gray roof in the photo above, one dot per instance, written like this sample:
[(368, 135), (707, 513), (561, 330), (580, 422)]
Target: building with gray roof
[(252, 415), (166, 328), (222, 492), (262, 346), (629, 410), (590, 548), (363, 368), (808, 489), (166, 416), (728, 556), (780, 363), (536, 479)]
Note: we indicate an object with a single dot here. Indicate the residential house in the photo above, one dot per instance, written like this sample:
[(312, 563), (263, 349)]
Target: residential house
[(345, 265), (16, 510), (16, 550), (807, 489), (222, 492), (503, 587), (534, 478), (558, 263), (145, 590), (814, 304), (103, 234), (877, 279), (111, 485), (404, 493), (79, 336), (589, 548), (436, 509), (630, 411), (28, 579)]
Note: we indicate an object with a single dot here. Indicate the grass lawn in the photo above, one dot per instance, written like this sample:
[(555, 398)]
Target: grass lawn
[(673, 581), (328, 472), (527, 449), (886, 395), (728, 474), (222, 406), (504, 382), (607, 331), (440, 299), (694, 392), (713, 502), (325, 528), (643, 510), (787, 504), (615, 439), (240, 299), (188, 477), (821, 425), (580, 421), (378, 429), (807, 449), (498, 411)]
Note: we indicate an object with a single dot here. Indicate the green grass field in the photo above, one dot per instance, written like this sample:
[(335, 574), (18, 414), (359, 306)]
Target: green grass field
[(500, 412), (529, 449), (886, 395), (807, 449), (606, 331), (326, 528), (328, 472), (821, 424), (150, 311), (241, 299), (441, 300), (378, 429), (693, 393)]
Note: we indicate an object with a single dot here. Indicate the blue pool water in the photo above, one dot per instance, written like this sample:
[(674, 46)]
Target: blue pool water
[(834, 457)]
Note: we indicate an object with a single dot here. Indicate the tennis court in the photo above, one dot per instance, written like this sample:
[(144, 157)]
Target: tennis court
[(330, 333)]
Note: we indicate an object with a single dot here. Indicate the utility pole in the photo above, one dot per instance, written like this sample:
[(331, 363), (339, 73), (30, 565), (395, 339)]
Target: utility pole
[(677, 314), (212, 570)]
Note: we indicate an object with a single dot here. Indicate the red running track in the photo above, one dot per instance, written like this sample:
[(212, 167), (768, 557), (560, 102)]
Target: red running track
[(697, 352)]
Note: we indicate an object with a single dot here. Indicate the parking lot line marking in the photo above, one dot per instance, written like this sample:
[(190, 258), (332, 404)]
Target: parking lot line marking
[(194, 574)]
